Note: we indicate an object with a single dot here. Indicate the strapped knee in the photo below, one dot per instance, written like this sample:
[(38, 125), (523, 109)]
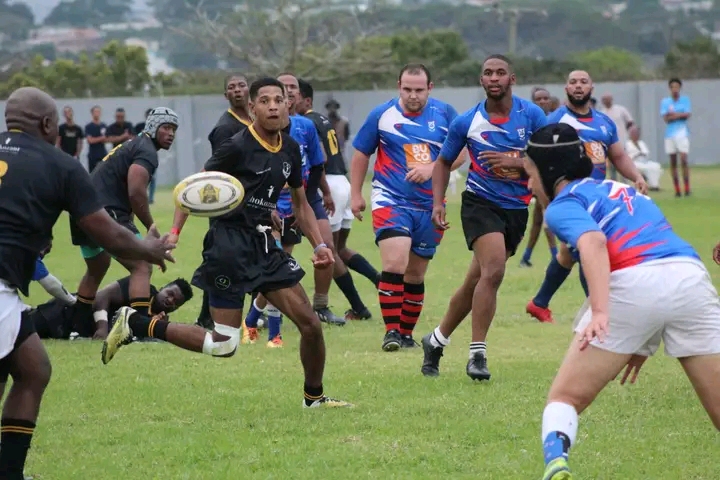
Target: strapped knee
[(222, 348)]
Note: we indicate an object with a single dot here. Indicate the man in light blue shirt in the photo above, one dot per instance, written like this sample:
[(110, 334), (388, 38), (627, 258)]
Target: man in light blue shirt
[(676, 110)]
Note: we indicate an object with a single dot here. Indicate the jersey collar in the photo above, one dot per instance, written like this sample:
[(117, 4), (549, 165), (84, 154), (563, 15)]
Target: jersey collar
[(237, 117)]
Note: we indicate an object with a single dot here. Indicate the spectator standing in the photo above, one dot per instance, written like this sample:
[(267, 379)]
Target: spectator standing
[(340, 124), (95, 134), (676, 110), (70, 138), (121, 130)]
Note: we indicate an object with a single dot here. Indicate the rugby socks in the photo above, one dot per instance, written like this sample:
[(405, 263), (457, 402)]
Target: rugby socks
[(312, 394), (555, 275), (360, 264), (553, 252), (347, 287), (559, 430), (84, 305), (477, 347), (526, 256), (251, 320), (320, 301), (676, 182), (143, 326), (438, 340), (390, 294), (141, 305), (274, 322), (15, 438), (413, 299), (686, 181)]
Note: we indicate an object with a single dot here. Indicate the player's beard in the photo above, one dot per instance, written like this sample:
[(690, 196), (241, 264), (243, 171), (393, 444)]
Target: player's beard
[(498, 95), (579, 102)]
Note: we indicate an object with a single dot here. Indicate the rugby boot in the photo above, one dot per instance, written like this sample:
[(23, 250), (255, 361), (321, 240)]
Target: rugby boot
[(326, 402), (431, 357), (558, 469), (250, 336), (477, 367), (361, 315), (541, 314), (407, 341), (392, 341), (120, 334), (326, 316), (276, 342)]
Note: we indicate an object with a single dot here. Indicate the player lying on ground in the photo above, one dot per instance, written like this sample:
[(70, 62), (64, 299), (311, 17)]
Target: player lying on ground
[(54, 319), (38, 182), (240, 255), (50, 282), (660, 290)]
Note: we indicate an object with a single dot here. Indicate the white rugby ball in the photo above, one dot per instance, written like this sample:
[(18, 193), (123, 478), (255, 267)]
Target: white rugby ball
[(208, 194)]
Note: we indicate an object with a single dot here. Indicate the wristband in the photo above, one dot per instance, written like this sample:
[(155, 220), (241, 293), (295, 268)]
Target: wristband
[(320, 245), (100, 316), (175, 231)]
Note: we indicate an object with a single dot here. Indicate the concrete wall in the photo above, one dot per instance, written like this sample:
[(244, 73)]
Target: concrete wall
[(198, 115)]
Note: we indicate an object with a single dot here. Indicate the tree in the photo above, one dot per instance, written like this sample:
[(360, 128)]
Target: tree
[(698, 58), (16, 20), (116, 70), (610, 64), (84, 13)]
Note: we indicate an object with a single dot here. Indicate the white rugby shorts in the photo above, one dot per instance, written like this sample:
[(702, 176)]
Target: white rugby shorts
[(672, 300), (11, 308), (340, 192), (675, 145)]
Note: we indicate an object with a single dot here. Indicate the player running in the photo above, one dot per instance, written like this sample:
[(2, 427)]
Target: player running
[(121, 182), (38, 182), (407, 133), (339, 221), (494, 209), (660, 290), (541, 98), (600, 141), (234, 119), (240, 255)]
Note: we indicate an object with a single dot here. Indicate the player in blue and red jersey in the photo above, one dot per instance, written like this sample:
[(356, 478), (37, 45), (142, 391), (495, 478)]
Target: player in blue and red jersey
[(660, 290), (494, 209), (598, 134), (407, 133)]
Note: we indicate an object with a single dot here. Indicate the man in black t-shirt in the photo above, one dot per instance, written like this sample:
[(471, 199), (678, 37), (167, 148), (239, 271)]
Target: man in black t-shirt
[(54, 319), (121, 183), (95, 134), (240, 254), (70, 139), (38, 182), (119, 131), (137, 130)]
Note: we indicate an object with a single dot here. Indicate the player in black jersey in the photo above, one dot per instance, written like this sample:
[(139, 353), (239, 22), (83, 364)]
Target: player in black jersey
[(340, 220), (234, 119), (240, 254), (121, 182), (54, 319), (38, 182)]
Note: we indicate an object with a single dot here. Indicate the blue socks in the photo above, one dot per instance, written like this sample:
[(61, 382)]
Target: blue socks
[(556, 445), (251, 321), (553, 252), (555, 275), (526, 256), (274, 322)]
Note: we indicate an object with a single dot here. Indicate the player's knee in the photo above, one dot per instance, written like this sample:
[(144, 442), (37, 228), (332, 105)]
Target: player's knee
[(492, 274), (309, 325), (222, 342)]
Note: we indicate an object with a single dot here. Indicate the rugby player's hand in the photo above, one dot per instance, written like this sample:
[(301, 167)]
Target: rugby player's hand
[(641, 186), (357, 204), (420, 174), (598, 328), (323, 258), (101, 331), (158, 248), (276, 220), (173, 238), (633, 368), (329, 204), (500, 160), (438, 218)]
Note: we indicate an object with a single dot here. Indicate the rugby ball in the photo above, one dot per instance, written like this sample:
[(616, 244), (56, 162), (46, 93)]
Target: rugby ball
[(208, 194)]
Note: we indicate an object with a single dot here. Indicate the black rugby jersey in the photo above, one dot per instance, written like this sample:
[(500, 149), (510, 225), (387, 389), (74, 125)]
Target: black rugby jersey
[(228, 125), (335, 164)]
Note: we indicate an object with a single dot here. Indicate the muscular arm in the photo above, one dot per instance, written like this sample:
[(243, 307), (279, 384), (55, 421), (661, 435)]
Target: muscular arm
[(623, 162), (458, 161), (440, 180), (113, 237), (138, 180), (358, 170), (596, 267), (107, 296), (305, 216)]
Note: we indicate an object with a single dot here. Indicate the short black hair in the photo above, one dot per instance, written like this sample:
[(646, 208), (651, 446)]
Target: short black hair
[(184, 286), (233, 75), (674, 80), (499, 56), (537, 89), (120, 110), (415, 69), (306, 90), (94, 107), (264, 82)]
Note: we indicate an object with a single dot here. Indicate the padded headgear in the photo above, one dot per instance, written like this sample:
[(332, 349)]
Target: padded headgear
[(559, 154), (159, 116)]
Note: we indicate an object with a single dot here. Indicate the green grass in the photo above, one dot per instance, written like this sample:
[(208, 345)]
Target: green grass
[(157, 412)]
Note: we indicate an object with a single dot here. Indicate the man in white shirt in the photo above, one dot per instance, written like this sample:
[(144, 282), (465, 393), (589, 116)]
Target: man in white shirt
[(622, 118), (638, 151)]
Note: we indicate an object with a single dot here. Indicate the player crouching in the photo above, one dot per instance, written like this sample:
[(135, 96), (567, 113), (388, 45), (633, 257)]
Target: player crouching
[(645, 283)]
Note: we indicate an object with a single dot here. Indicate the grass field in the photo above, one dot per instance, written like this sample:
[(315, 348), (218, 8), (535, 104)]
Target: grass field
[(157, 412)]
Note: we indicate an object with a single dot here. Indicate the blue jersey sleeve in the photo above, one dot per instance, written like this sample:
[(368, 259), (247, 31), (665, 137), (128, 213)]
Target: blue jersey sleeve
[(368, 137), (40, 272), (315, 150), (452, 114), (568, 219), (664, 106), (538, 119), (456, 139)]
